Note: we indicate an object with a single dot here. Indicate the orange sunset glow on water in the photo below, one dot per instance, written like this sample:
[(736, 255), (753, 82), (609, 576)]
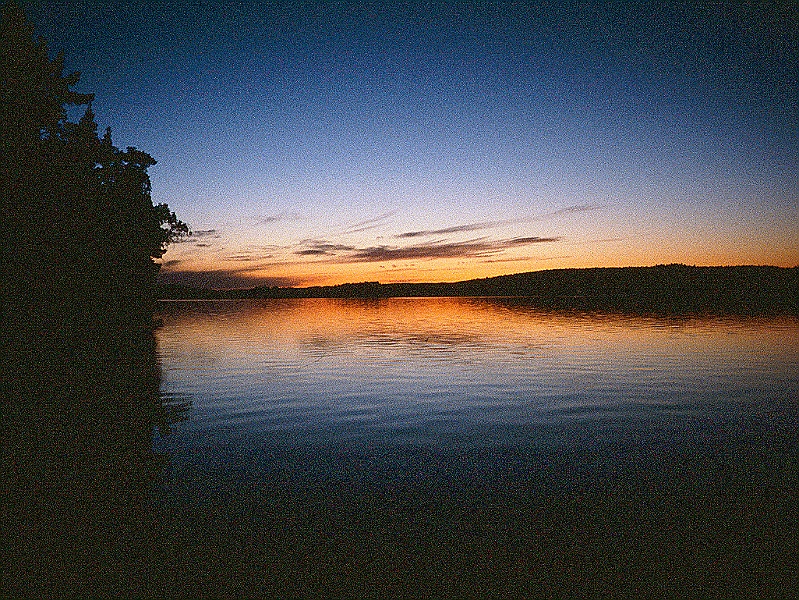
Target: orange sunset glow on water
[(463, 325), (446, 430)]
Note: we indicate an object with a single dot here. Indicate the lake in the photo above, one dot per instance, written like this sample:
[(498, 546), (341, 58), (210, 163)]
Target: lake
[(476, 446)]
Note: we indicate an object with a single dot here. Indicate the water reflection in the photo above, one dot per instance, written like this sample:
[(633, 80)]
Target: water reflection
[(319, 367), (79, 465), (479, 447)]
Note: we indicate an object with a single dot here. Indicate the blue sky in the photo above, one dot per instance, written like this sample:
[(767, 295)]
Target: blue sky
[(322, 142)]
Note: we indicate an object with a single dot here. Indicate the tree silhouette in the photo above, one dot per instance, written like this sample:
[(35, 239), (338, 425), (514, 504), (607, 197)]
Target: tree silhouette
[(79, 376), (79, 228)]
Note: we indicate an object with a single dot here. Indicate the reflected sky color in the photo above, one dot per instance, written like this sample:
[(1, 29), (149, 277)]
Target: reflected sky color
[(366, 442), (317, 143), (439, 370)]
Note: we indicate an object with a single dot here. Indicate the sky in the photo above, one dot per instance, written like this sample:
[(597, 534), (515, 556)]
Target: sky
[(316, 143)]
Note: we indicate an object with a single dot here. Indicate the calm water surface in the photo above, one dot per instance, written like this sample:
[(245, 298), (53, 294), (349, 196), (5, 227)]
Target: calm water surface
[(452, 428), (460, 370)]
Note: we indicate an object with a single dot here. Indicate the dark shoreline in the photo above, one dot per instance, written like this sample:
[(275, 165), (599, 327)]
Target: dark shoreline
[(663, 289)]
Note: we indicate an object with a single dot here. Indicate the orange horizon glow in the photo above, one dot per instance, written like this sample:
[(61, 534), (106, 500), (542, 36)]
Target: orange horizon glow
[(251, 280), (212, 275), (422, 245)]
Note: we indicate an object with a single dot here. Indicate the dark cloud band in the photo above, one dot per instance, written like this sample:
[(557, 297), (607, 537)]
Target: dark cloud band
[(468, 249)]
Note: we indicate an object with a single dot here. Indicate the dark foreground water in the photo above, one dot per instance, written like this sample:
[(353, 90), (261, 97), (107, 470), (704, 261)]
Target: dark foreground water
[(402, 448), (477, 447)]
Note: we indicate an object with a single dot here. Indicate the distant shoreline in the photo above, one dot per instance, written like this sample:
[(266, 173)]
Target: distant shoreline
[(669, 289)]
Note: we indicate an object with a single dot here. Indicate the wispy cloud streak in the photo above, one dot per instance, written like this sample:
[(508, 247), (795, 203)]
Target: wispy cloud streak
[(369, 224), (277, 218), (569, 210), (321, 248), (454, 229), (468, 249), (481, 225)]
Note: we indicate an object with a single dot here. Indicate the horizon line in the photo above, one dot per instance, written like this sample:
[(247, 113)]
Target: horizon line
[(433, 283)]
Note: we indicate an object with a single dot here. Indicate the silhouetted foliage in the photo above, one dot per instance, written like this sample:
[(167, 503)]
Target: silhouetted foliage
[(80, 386), (79, 228)]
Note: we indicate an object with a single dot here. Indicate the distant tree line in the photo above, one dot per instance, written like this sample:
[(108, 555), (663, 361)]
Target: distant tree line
[(662, 289), (79, 229)]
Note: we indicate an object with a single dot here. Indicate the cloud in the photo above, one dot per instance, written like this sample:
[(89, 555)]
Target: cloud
[(523, 259), (268, 219), (469, 249), (247, 276), (524, 241), (455, 229), (369, 223), (244, 257), (321, 248), (197, 238), (204, 233), (577, 208)]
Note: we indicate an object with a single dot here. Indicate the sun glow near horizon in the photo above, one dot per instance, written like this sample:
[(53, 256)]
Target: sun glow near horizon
[(446, 142), (393, 247), (325, 263)]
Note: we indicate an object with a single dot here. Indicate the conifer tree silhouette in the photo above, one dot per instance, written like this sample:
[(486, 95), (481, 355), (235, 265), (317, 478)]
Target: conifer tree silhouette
[(79, 229)]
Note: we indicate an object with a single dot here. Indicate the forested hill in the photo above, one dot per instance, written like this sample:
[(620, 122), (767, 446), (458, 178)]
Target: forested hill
[(661, 289)]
